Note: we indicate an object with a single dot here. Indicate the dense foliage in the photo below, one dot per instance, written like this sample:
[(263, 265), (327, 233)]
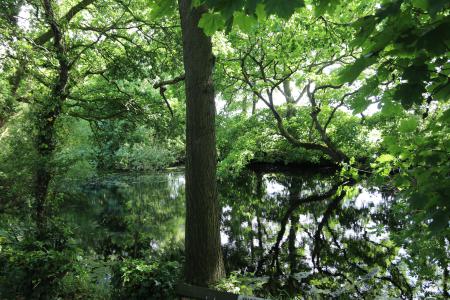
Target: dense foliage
[(350, 97)]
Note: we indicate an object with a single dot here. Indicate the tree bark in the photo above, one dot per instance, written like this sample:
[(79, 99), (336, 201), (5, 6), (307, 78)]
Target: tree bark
[(46, 117), (204, 261), (250, 241), (336, 154), (254, 101), (290, 101)]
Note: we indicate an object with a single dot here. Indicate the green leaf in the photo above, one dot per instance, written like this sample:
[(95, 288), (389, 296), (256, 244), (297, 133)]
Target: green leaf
[(323, 6), (380, 40), (197, 3), (261, 11), (436, 40), (416, 73), (225, 7), (442, 92), (244, 22), (366, 26), (360, 101), (388, 9), (351, 72), (162, 8), (390, 108), (418, 201), (440, 221), (423, 4), (391, 143), (211, 22), (359, 104), (409, 94), (408, 125), (283, 8), (445, 118), (385, 158)]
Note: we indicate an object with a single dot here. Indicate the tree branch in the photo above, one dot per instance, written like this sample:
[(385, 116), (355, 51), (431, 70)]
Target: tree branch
[(43, 38), (295, 203), (170, 81), (162, 89)]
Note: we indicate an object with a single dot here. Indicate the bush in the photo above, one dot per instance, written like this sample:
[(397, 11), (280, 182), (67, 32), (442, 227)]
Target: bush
[(49, 268), (147, 279), (142, 156), (32, 268)]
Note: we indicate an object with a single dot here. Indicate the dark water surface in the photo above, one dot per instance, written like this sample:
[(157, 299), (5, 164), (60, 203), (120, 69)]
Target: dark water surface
[(290, 231), (123, 213)]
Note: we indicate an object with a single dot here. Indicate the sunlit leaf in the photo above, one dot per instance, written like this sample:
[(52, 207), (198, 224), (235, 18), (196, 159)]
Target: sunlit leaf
[(385, 158), (244, 22)]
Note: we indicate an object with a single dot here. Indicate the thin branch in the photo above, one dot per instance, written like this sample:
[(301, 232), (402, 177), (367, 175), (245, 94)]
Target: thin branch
[(170, 81), (162, 89), (326, 216), (341, 102)]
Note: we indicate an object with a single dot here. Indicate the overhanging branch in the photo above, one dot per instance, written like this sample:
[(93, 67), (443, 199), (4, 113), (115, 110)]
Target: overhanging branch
[(162, 89)]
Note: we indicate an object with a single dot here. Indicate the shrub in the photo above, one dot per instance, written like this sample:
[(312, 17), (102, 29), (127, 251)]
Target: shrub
[(147, 279)]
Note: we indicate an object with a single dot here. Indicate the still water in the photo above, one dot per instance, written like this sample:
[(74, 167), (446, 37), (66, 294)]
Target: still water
[(290, 231)]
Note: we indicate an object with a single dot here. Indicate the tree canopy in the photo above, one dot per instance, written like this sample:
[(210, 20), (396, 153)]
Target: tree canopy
[(309, 141)]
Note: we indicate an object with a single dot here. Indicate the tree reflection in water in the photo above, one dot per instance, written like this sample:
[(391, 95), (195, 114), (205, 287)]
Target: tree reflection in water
[(312, 232), (288, 233), (127, 216)]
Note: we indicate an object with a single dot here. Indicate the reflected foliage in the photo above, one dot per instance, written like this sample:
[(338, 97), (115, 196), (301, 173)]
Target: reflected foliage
[(309, 235), (115, 234)]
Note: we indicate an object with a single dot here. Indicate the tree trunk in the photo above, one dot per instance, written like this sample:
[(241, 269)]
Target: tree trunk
[(295, 189), (292, 255), (204, 262), (251, 245), (46, 117), (445, 282), (290, 101), (45, 144), (333, 151)]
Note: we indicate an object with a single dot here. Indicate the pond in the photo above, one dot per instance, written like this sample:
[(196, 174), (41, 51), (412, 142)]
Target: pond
[(121, 214), (292, 231)]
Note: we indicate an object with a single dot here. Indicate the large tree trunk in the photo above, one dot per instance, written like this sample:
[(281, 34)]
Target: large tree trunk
[(45, 144), (204, 262), (46, 117)]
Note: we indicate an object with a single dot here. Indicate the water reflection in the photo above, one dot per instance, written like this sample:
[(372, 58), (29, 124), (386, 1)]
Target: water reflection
[(126, 215), (300, 234), (314, 235)]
